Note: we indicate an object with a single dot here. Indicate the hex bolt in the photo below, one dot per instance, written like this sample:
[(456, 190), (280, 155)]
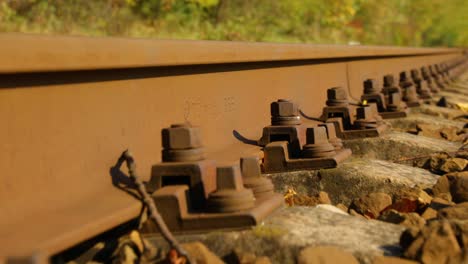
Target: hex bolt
[(409, 91), (423, 90), (435, 75), (284, 108), (230, 195), (337, 93), (316, 135), (331, 134), (229, 178), (365, 118), (394, 102), (181, 136), (405, 80), (389, 80), (284, 112), (440, 71), (415, 76), (364, 113), (253, 179), (371, 86), (337, 96), (181, 142), (425, 74), (430, 82), (373, 94), (317, 145), (390, 87), (421, 85)]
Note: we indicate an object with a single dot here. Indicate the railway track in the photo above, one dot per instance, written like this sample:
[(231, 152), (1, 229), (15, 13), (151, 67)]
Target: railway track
[(70, 105)]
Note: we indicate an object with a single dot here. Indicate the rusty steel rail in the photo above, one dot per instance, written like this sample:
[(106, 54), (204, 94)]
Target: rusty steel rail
[(70, 105)]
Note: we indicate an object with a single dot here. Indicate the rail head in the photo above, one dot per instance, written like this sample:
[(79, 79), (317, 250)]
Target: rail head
[(38, 53)]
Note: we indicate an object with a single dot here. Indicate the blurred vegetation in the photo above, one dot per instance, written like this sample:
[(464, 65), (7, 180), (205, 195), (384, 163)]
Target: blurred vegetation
[(392, 22)]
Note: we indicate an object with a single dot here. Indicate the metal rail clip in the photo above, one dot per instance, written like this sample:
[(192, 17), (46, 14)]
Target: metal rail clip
[(192, 193), (289, 145)]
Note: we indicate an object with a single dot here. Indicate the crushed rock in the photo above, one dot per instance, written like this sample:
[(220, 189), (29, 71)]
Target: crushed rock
[(454, 185), (372, 204), (294, 228), (454, 165), (325, 255), (434, 243), (444, 112), (459, 211), (354, 178), (404, 219), (294, 199), (392, 260), (410, 122), (201, 254), (396, 146)]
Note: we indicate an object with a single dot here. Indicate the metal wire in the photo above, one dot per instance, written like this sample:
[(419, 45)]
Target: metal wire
[(153, 211)]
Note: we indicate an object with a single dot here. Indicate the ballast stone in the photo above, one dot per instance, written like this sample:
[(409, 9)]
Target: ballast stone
[(396, 146), (353, 179), (295, 228), (410, 122)]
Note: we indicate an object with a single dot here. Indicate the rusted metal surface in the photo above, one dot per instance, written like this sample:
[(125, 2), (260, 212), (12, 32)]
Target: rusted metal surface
[(395, 107), (290, 145), (421, 85), (46, 53), (410, 95), (70, 105), (196, 194), (354, 120)]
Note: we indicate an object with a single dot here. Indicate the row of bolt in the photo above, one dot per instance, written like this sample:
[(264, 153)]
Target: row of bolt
[(181, 142)]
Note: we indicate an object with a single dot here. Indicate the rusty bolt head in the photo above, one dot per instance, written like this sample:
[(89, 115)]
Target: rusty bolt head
[(424, 85), (316, 135), (404, 76), (331, 131), (394, 99), (371, 86), (337, 93), (389, 80), (365, 113), (415, 74), (181, 136), (424, 72), (284, 108), (229, 178), (250, 167)]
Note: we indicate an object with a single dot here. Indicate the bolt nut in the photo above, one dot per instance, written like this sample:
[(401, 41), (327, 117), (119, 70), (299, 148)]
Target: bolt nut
[(336, 93), (404, 76), (394, 99), (316, 135), (365, 113), (389, 80), (284, 108), (425, 72), (371, 86), (415, 75), (424, 85), (181, 136), (331, 131), (250, 167), (229, 178)]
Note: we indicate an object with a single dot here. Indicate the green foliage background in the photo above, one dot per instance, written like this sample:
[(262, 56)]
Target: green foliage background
[(378, 22)]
